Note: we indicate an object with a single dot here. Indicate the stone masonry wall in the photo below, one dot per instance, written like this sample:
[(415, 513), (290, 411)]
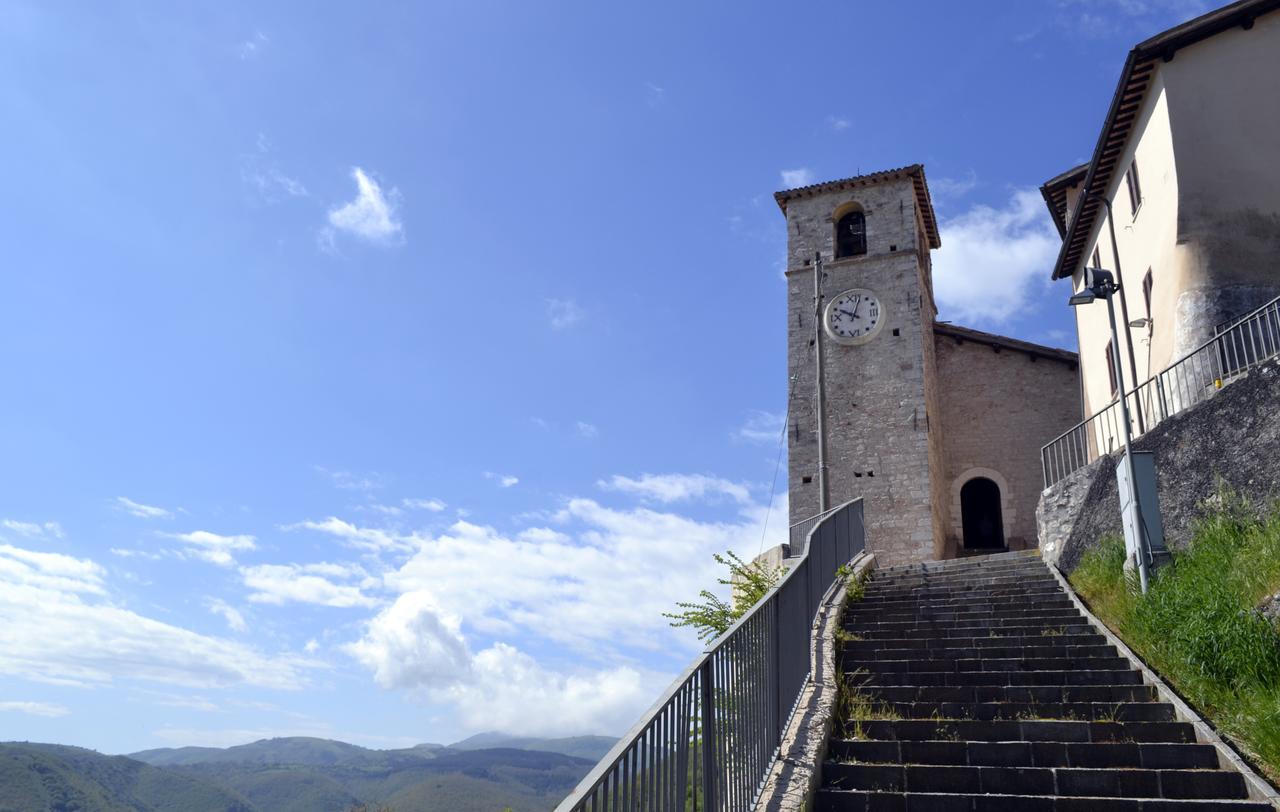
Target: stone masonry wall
[(877, 423), (1233, 439), (998, 409)]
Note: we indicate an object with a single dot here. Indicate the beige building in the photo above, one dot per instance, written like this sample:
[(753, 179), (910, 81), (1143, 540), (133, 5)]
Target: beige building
[(1188, 164), (938, 427)]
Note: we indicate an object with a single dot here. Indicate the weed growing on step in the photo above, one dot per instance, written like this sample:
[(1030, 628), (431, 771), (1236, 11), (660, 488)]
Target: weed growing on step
[(1199, 627), (843, 636), (854, 705), (1058, 632), (857, 588)]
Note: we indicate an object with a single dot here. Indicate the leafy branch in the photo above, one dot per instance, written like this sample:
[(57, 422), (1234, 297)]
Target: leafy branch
[(712, 616)]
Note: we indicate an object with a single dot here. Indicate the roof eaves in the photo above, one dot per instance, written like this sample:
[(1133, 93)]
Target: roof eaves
[(1130, 93)]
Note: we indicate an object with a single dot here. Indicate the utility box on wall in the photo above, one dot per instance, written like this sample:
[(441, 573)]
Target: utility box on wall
[(1144, 469)]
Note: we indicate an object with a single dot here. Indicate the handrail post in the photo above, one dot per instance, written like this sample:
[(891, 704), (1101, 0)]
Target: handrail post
[(708, 736)]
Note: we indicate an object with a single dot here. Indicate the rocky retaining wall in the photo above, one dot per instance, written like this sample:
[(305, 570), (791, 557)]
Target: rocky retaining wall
[(1232, 439)]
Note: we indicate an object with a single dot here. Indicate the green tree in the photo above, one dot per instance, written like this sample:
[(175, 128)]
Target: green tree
[(711, 616)]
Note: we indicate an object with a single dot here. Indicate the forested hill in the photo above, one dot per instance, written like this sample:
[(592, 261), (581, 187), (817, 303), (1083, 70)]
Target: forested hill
[(485, 772)]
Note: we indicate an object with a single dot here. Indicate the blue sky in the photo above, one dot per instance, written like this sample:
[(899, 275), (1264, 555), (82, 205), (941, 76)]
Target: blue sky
[(383, 371)]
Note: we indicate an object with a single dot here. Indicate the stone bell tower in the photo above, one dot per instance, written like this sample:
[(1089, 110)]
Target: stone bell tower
[(874, 319)]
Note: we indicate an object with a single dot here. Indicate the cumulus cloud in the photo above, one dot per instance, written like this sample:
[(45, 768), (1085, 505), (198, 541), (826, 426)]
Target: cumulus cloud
[(433, 505), (837, 123), (563, 313), (795, 178), (213, 547), (414, 644), (306, 583), (46, 709), (588, 430), (57, 625), (229, 613), (33, 529), (668, 488), (597, 583), (140, 510), (993, 258), (372, 216), (763, 428)]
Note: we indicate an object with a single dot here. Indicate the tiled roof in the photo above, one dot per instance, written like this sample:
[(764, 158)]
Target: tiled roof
[(914, 171), (962, 334)]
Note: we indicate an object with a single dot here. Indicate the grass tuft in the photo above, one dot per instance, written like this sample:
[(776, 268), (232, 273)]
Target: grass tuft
[(1199, 625)]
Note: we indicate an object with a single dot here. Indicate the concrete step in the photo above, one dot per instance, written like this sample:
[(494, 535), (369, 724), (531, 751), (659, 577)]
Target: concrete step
[(890, 603), (1114, 663), (1060, 678), (1014, 624), (871, 648), (1151, 756), (1042, 694), (1069, 781), (961, 585), (1036, 730), (834, 800), (986, 561), (1044, 650), (931, 615), (983, 711)]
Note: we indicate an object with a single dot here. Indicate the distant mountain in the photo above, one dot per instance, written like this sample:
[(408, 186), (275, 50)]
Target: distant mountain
[(484, 773), (38, 777), (588, 747), (290, 750)]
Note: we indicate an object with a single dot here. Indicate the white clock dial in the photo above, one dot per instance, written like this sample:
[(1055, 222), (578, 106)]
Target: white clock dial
[(854, 316)]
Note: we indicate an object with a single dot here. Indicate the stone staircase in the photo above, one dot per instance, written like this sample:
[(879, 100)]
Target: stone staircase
[(979, 686)]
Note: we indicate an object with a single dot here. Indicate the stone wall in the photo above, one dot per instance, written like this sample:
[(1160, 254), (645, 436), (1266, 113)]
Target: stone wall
[(1233, 439), (999, 406)]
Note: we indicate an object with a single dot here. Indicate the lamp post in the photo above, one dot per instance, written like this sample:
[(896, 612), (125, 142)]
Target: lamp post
[(1099, 284)]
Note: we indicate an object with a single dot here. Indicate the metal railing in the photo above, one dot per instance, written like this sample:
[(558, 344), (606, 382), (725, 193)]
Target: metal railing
[(710, 740), (798, 533), (1195, 377)]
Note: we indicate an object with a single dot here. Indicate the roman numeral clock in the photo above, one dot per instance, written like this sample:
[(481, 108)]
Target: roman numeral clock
[(854, 317)]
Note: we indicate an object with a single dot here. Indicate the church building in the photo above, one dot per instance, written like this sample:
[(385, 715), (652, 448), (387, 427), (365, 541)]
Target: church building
[(937, 427)]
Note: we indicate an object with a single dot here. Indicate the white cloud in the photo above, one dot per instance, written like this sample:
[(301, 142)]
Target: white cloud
[(212, 547), (251, 47), (991, 259), (33, 529), (312, 646), (140, 510), (268, 182), (229, 613), (306, 583), (34, 708), (433, 505), (57, 626), (764, 428), (598, 584), (364, 538), (505, 480), (668, 488), (563, 313), (414, 644), (954, 187), (588, 430), (837, 123), (795, 178), (347, 481), (372, 215)]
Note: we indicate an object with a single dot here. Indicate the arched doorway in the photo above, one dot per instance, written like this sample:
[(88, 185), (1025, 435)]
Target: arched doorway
[(981, 520)]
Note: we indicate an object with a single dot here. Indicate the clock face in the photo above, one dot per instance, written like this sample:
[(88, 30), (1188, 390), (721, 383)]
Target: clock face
[(854, 316)]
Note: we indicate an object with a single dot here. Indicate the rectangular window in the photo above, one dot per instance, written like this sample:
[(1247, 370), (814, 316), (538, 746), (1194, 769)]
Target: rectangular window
[(1135, 188), (1146, 291), (1111, 371)]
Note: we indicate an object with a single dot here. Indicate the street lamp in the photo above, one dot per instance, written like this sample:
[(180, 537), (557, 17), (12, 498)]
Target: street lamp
[(1139, 541)]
